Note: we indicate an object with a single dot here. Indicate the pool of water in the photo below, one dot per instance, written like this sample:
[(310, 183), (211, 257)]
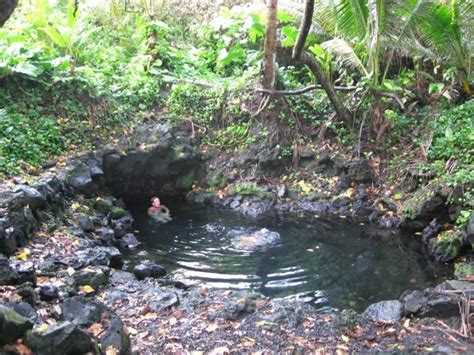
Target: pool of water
[(328, 263)]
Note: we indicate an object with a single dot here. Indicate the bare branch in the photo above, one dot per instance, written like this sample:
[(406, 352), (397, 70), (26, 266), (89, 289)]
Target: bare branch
[(304, 90)]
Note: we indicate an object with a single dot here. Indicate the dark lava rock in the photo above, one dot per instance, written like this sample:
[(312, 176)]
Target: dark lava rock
[(32, 196), (78, 310), (290, 313), (80, 178), (24, 309), (238, 306), (423, 206), (24, 271), (431, 231), (115, 336), (431, 303), (12, 325), (385, 311), (123, 225), (361, 171), (413, 302), (470, 229), (163, 300), (85, 223), (27, 293), (148, 269), (128, 241), (108, 256), (94, 276), (107, 236), (7, 275), (49, 293), (174, 283), (447, 246), (329, 165), (60, 338)]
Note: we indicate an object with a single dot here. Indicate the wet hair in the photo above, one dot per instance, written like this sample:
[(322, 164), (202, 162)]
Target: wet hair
[(154, 198)]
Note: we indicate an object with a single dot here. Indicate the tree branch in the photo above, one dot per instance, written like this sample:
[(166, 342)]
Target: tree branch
[(304, 90), (304, 29)]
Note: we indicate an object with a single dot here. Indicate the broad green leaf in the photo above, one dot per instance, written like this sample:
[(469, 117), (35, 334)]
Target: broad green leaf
[(317, 50), (55, 36), (28, 69)]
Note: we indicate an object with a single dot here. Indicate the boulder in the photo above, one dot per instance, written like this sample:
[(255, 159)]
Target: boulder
[(115, 337), (78, 310), (85, 223), (60, 338), (49, 293), (108, 256), (385, 311), (12, 325), (94, 276), (32, 196), (431, 231), (107, 236), (128, 241), (24, 309), (23, 271), (80, 178), (360, 171), (414, 302), (423, 206), (148, 269), (447, 246), (256, 240)]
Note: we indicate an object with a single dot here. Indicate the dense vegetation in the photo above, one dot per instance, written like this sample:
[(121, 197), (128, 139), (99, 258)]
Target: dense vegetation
[(73, 73)]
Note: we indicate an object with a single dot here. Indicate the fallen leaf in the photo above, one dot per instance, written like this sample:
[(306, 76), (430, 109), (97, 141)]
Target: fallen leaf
[(212, 327), (70, 271), (88, 289), (42, 327)]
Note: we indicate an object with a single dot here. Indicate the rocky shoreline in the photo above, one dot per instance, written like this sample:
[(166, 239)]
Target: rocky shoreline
[(65, 282)]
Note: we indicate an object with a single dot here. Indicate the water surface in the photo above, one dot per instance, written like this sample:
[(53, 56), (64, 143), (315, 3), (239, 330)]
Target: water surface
[(328, 263)]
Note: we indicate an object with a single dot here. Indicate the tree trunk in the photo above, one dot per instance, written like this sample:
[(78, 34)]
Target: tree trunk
[(269, 54), (309, 60), (6, 9)]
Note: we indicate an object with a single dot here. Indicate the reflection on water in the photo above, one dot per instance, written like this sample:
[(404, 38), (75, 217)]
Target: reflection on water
[(326, 263)]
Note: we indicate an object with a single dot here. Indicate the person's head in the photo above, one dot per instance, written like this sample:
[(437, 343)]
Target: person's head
[(155, 202)]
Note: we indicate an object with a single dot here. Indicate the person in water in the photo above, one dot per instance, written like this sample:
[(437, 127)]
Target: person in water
[(157, 211)]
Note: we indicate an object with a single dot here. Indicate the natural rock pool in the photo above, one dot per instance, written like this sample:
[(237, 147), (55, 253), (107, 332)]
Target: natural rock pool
[(328, 263)]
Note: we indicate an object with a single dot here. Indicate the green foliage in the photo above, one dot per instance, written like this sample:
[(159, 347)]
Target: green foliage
[(454, 134), (247, 189), (27, 138), (201, 105)]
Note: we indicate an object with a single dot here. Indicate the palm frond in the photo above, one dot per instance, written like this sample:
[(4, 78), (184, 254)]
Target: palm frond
[(344, 52)]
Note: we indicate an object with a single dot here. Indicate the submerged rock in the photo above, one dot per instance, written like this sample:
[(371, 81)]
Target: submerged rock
[(258, 239), (385, 311), (148, 269)]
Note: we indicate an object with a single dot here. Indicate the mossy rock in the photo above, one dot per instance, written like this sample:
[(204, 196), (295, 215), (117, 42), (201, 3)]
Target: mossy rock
[(425, 205), (463, 270), (186, 182), (116, 212), (447, 246), (103, 205), (247, 189)]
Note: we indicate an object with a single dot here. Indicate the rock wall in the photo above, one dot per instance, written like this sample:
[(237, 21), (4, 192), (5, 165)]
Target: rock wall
[(159, 160)]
